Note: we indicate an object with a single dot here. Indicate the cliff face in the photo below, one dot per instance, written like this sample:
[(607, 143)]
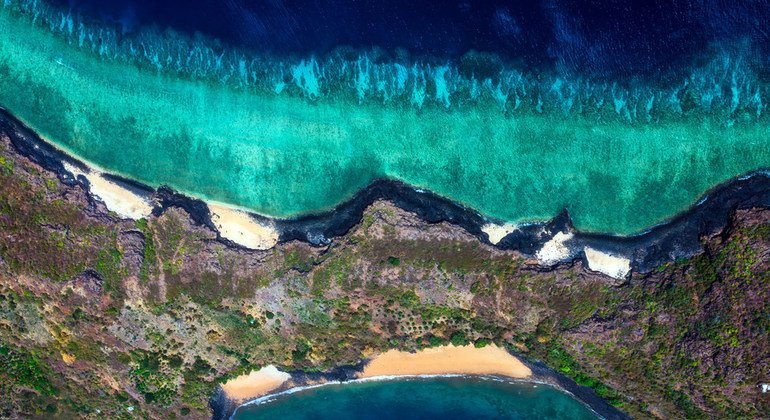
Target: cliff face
[(103, 315)]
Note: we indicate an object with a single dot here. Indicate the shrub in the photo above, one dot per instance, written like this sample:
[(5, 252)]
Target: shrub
[(459, 339), (25, 369), (434, 341)]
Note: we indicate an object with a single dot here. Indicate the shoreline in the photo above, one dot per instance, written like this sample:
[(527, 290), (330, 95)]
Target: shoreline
[(487, 363), (447, 360), (268, 398), (679, 237)]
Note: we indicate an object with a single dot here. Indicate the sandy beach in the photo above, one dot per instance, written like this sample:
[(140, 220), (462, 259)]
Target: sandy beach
[(555, 250), (122, 201), (241, 228), (447, 360), (255, 384), (233, 224), (444, 360), (496, 233), (613, 266)]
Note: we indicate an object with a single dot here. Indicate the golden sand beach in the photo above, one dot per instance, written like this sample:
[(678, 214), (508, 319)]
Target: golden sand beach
[(447, 360), (255, 384), (444, 360)]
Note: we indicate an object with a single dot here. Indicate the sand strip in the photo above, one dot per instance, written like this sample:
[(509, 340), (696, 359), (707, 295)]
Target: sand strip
[(233, 224), (255, 384), (613, 266), (122, 201), (239, 227), (496, 232), (447, 360)]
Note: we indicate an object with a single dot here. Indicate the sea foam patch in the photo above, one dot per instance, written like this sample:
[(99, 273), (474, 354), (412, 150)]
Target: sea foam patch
[(613, 266), (239, 227), (124, 202)]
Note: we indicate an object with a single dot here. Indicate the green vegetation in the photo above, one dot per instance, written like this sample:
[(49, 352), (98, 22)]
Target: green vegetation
[(149, 259), (459, 338), (567, 365), (25, 369), (108, 265), (154, 377), (6, 166), (301, 350), (41, 234)]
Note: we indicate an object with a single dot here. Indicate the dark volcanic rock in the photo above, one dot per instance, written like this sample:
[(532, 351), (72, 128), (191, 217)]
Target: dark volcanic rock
[(669, 241), (132, 247), (88, 282)]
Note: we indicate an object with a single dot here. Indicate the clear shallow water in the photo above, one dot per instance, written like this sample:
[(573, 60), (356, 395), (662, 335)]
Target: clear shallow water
[(430, 398), (287, 136)]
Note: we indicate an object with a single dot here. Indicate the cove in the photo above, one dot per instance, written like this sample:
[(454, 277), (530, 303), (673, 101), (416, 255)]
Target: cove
[(286, 137), (449, 398)]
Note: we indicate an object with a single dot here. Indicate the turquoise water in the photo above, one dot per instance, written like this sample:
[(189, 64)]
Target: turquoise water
[(433, 398), (295, 135)]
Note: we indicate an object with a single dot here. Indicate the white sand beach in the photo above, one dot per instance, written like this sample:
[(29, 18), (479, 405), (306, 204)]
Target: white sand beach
[(124, 202), (496, 232), (613, 266), (554, 250), (239, 227)]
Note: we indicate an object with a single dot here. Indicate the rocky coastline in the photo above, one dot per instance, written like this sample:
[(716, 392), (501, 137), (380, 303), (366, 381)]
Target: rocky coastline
[(671, 240)]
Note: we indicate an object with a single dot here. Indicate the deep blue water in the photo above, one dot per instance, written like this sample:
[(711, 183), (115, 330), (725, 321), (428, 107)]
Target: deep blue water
[(427, 398), (597, 38)]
